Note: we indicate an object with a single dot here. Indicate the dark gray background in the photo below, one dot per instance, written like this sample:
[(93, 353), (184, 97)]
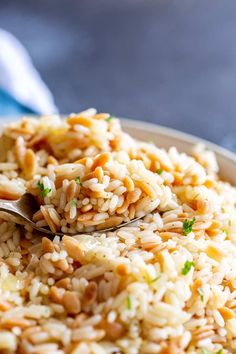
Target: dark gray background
[(172, 62)]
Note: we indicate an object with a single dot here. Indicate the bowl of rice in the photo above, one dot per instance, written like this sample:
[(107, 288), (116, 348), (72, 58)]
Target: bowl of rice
[(163, 284)]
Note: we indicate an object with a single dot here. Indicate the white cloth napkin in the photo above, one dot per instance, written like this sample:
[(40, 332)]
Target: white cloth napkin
[(19, 78)]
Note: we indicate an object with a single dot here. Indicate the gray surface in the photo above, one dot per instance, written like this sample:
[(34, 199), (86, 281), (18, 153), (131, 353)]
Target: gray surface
[(165, 61)]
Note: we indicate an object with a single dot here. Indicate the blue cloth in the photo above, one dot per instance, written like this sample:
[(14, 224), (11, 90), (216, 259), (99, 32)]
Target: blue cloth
[(22, 90), (10, 107)]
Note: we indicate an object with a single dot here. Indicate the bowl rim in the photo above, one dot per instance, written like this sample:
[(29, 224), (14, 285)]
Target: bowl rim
[(179, 135)]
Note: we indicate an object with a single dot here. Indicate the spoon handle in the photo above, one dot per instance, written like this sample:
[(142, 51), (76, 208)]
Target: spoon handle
[(8, 206), (13, 207)]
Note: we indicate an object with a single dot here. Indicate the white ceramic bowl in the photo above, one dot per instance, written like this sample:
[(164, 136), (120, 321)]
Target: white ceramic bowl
[(166, 137)]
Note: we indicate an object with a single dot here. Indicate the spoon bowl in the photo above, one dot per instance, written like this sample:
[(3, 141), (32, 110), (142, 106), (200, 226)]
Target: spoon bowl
[(25, 207)]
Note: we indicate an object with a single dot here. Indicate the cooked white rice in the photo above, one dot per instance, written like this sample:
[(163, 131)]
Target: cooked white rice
[(165, 284)]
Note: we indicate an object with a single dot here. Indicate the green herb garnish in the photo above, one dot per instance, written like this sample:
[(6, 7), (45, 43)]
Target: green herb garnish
[(129, 303), (230, 222), (220, 351), (200, 292), (108, 119), (155, 279), (205, 351), (78, 181), (159, 171), (226, 232), (73, 202), (187, 266), (188, 225), (43, 191)]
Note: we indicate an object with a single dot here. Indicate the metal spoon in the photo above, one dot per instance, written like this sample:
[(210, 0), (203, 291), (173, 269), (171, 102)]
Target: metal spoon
[(25, 207)]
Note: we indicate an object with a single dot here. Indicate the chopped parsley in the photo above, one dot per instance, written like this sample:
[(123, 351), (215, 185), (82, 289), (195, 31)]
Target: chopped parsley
[(155, 279), (108, 119), (187, 266), (78, 181), (74, 202), (205, 351), (40, 186), (226, 232), (43, 191), (219, 351), (159, 171), (188, 225), (129, 303), (200, 292)]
